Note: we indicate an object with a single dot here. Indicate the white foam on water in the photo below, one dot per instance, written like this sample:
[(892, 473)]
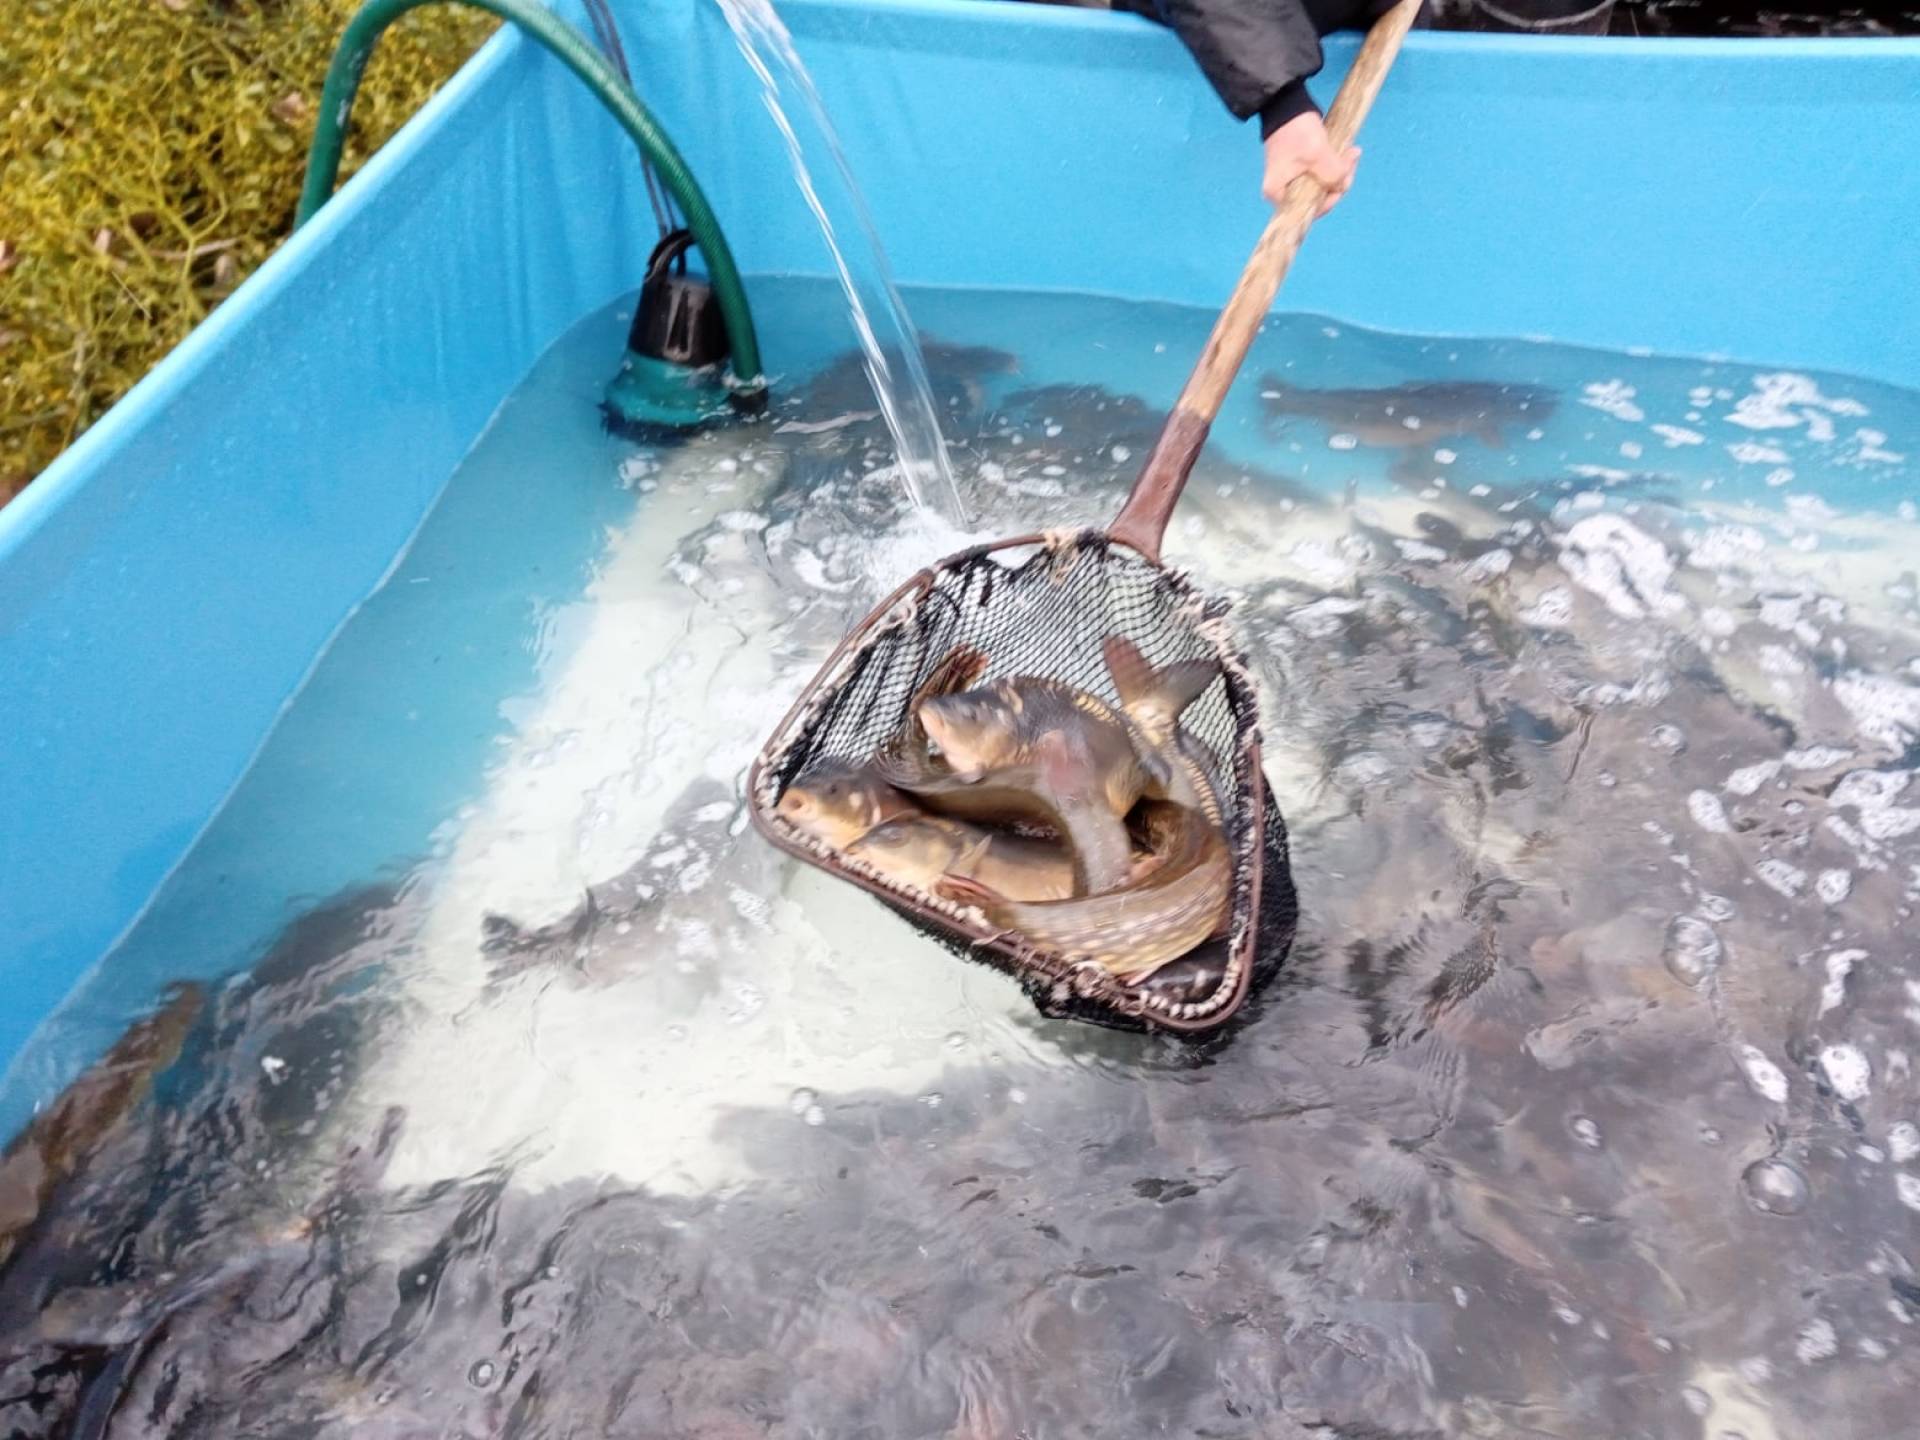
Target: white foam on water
[(1781, 877), (1839, 966), (1488, 567), (1613, 397), (1551, 610), (1847, 1071), (1872, 793), (1833, 886), (1903, 1141), (1727, 1404), (1750, 778), (1816, 757), (1817, 1341), (1768, 1079), (1885, 711), (1708, 813), (1784, 400), (1677, 436), (1619, 562)]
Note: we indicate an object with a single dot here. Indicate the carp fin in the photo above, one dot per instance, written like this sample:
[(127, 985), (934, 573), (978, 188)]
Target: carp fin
[(968, 860), (965, 890), (1146, 691), (958, 670)]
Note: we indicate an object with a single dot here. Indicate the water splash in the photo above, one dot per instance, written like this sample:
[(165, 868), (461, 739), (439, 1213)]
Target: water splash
[(888, 342)]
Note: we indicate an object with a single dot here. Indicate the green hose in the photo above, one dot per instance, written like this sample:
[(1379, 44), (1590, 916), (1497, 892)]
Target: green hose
[(343, 82)]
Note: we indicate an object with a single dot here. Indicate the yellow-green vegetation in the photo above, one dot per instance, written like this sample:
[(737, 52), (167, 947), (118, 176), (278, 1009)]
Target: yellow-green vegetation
[(151, 153)]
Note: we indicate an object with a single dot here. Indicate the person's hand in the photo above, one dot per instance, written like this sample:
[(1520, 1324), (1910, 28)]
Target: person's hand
[(1301, 147)]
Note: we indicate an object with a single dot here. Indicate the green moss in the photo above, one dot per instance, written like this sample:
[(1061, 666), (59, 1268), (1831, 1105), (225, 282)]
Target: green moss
[(151, 154)]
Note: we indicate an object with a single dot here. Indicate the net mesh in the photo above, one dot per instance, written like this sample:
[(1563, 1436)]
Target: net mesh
[(1044, 606)]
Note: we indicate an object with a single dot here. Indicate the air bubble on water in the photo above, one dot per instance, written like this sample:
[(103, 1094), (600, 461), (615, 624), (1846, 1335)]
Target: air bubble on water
[(1751, 777), (1766, 1077), (1903, 1141), (1017, 1096), (956, 1040), (1692, 951), (1460, 1297), (1816, 1342), (1607, 779), (1121, 454), (1907, 1187), (1847, 1071), (1342, 442), (1715, 907), (1566, 1315), (1710, 1136), (1668, 738), (1839, 966), (1833, 886), (1586, 1131), (1781, 878), (815, 1115), (1696, 1400), (481, 1375), (1775, 1187), (801, 1100), (932, 1099)]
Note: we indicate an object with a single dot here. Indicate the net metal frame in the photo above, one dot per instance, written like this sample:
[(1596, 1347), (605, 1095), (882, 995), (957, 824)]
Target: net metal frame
[(1042, 605)]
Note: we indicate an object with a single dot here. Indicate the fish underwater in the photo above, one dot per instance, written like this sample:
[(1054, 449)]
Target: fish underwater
[(1403, 416), (65, 1135)]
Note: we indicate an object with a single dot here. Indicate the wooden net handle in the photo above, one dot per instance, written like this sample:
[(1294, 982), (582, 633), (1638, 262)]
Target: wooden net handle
[(1142, 523)]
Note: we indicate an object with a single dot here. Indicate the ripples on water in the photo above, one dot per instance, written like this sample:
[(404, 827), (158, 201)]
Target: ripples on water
[(1585, 1106)]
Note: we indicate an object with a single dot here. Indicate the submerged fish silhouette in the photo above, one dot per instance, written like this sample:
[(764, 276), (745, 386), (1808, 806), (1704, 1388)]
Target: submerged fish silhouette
[(1403, 416), (62, 1137)]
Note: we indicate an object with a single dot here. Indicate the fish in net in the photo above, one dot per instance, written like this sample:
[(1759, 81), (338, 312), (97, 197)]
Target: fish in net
[(1046, 605)]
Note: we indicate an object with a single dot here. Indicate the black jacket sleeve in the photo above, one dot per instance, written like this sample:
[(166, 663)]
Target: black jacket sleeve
[(1258, 53)]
